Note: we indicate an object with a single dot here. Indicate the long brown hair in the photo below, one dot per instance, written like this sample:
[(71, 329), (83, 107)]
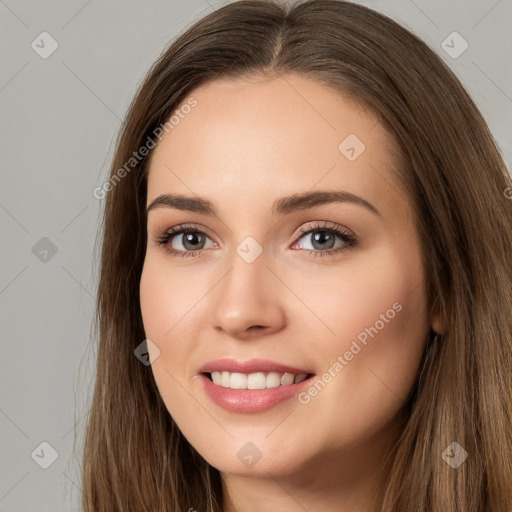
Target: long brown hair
[(134, 457)]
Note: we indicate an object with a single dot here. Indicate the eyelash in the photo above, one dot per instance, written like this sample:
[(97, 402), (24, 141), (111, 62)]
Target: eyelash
[(349, 239)]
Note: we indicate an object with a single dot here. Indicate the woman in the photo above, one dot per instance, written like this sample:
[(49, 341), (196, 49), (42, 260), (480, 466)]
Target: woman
[(237, 370)]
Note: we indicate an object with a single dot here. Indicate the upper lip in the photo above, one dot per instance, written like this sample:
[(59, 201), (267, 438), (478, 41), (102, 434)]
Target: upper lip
[(250, 366)]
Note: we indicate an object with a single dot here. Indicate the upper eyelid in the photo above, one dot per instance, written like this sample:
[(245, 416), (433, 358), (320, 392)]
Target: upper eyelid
[(327, 225)]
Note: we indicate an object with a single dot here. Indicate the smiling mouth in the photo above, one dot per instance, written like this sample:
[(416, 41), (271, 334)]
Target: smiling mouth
[(257, 380)]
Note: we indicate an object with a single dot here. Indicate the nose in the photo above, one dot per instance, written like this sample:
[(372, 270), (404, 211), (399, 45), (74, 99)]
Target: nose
[(247, 302)]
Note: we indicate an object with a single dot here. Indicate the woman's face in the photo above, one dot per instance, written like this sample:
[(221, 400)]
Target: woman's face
[(304, 262)]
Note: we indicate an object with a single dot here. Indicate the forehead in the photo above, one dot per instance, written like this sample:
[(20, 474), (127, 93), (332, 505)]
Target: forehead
[(292, 108), (286, 134)]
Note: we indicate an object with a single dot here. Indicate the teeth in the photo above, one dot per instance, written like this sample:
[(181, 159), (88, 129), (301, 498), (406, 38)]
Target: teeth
[(225, 379), (257, 380), (238, 381), (301, 377), (273, 380), (287, 379)]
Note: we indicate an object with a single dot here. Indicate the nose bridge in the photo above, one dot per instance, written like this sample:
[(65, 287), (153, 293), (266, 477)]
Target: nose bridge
[(246, 295)]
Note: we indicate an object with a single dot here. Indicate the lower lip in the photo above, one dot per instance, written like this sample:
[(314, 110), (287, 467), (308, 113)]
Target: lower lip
[(251, 400)]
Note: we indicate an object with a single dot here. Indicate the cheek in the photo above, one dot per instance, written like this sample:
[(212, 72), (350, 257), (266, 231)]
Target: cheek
[(165, 298), (390, 322), (169, 307), (374, 294), (161, 307), (164, 307), (380, 320)]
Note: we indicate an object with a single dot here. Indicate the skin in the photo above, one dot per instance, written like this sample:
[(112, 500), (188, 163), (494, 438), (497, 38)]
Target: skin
[(246, 144)]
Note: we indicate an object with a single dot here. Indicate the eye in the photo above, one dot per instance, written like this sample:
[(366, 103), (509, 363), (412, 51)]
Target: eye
[(183, 241), (322, 238), (189, 241)]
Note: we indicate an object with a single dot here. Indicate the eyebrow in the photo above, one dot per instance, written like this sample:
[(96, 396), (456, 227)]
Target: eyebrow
[(282, 206)]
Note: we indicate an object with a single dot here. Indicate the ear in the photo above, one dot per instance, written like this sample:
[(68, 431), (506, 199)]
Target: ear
[(436, 321)]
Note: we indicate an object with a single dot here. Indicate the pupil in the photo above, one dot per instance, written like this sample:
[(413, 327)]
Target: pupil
[(190, 238)]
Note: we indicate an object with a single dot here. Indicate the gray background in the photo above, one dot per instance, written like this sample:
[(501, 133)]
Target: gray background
[(59, 119)]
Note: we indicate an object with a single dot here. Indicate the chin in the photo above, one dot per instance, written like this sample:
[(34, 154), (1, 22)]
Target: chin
[(257, 458)]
